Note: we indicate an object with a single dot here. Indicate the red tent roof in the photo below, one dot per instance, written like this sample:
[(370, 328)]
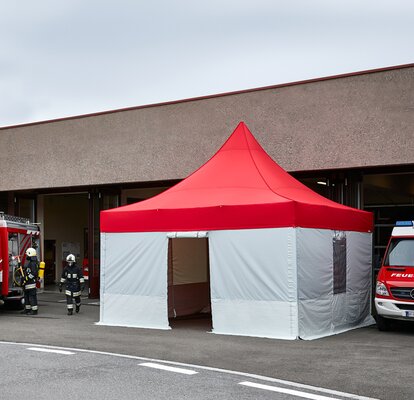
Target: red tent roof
[(240, 187)]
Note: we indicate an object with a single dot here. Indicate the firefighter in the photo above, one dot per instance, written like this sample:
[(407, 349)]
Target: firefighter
[(73, 278), (29, 278)]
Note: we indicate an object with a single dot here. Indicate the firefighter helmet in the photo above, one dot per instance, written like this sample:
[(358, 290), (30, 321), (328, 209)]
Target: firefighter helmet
[(70, 258), (31, 252)]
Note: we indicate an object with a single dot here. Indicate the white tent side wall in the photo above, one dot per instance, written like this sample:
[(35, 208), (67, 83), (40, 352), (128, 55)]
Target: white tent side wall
[(134, 280), (315, 282), (253, 282), (321, 311), (359, 271)]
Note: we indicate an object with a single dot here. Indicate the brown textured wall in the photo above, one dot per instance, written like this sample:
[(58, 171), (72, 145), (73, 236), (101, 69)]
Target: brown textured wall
[(354, 121)]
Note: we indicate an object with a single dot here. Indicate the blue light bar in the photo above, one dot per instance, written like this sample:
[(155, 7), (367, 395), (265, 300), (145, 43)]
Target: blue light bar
[(404, 223)]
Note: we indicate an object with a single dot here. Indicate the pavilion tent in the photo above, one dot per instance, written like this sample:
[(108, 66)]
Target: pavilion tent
[(284, 262)]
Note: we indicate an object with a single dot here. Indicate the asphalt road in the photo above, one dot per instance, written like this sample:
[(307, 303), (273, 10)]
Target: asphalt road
[(364, 362), (48, 373)]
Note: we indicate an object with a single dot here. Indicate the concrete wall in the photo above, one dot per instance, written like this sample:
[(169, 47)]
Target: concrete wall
[(353, 121)]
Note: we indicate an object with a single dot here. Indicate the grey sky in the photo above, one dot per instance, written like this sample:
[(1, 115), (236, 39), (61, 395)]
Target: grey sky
[(69, 57)]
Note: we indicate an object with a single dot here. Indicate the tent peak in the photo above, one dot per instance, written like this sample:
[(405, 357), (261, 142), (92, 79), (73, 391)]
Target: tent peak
[(241, 139)]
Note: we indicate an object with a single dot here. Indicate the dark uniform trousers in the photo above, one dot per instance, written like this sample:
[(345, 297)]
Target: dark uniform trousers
[(73, 278), (30, 271)]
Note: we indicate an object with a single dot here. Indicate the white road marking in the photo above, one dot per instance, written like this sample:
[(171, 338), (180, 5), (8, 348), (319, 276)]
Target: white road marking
[(171, 369), (50, 350), (288, 391), (224, 371)]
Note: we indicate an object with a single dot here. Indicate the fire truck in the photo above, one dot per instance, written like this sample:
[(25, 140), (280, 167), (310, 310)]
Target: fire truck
[(16, 236), (394, 293)]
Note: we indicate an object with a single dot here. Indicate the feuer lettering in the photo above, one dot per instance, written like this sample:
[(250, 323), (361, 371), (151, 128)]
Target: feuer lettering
[(395, 275)]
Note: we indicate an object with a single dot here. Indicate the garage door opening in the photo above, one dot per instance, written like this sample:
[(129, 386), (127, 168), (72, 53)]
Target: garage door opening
[(65, 232), (189, 283)]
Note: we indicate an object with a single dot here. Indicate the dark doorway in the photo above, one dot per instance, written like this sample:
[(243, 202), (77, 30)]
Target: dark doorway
[(50, 261), (189, 280)]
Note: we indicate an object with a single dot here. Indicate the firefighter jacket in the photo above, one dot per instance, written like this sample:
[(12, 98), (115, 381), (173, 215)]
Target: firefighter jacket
[(72, 276), (29, 273)]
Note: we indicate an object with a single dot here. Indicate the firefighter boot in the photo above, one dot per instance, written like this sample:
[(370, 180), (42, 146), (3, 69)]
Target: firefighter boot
[(32, 312), (26, 311), (70, 311), (77, 308)]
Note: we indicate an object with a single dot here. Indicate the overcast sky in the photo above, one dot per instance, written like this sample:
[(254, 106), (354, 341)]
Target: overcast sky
[(69, 57)]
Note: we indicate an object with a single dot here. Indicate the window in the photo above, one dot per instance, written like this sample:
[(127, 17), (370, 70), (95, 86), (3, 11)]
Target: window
[(27, 208), (339, 262), (400, 252)]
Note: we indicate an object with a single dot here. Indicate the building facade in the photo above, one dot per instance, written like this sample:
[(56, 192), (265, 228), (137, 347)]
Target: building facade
[(349, 137)]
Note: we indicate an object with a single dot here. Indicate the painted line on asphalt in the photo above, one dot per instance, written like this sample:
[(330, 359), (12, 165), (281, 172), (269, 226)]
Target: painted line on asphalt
[(202, 367), (50, 350), (167, 368), (287, 391)]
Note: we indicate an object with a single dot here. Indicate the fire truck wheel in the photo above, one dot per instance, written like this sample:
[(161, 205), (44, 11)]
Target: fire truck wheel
[(383, 324), (13, 304)]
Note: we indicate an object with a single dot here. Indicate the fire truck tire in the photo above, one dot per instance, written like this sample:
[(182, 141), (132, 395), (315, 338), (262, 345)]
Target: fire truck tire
[(383, 324), (13, 304)]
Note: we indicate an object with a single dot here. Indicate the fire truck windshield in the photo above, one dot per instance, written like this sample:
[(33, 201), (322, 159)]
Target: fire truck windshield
[(400, 253)]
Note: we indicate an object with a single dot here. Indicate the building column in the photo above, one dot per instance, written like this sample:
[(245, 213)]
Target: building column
[(94, 245)]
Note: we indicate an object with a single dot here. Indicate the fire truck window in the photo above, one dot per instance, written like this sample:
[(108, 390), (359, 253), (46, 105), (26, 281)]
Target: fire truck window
[(401, 252), (339, 262), (13, 244)]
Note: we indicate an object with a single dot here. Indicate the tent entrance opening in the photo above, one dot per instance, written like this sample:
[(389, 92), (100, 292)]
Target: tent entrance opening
[(188, 278)]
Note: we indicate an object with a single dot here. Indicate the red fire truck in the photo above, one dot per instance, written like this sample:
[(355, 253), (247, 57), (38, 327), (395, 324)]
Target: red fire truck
[(394, 293), (16, 236)]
